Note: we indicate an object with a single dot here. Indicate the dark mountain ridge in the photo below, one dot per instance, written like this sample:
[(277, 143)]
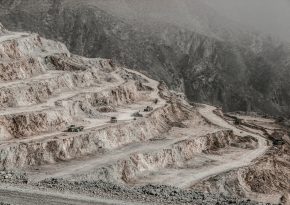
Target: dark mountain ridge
[(221, 65)]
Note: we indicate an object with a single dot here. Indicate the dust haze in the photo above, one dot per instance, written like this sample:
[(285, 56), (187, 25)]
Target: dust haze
[(269, 16)]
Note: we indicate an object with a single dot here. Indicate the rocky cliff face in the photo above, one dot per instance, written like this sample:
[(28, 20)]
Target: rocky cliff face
[(216, 64)]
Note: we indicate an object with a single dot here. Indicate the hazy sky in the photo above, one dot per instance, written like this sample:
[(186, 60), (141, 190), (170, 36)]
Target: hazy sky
[(271, 16)]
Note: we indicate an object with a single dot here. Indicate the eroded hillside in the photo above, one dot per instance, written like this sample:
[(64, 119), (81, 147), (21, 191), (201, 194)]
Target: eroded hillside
[(197, 51), (91, 128)]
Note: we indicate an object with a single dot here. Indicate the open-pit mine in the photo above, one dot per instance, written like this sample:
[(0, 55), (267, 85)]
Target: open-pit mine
[(75, 130)]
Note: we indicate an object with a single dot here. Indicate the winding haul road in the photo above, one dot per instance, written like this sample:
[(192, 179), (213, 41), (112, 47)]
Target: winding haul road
[(245, 158), (207, 111)]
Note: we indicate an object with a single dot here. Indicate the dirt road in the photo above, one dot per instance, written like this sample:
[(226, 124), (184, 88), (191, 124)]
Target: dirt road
[(247, 157), (16, 196)]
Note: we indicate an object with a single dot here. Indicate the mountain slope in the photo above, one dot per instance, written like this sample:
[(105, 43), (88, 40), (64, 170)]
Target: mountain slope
[(211, 60)]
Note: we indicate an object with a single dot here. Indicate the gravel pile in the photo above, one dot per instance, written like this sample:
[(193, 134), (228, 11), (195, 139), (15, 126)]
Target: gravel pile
[(155, 194), (13, 177)]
